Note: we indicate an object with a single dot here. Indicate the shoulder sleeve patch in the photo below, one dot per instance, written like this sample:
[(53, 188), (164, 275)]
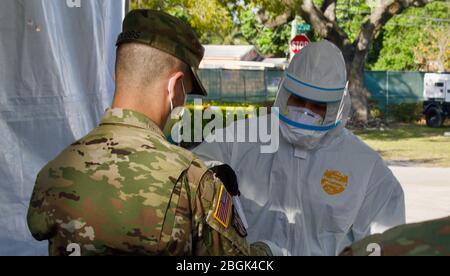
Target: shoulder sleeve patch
[(220, 217), (224, 205), (238, 225)]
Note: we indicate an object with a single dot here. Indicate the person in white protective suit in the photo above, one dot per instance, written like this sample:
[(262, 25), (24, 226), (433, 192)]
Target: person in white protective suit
[(324, 188)]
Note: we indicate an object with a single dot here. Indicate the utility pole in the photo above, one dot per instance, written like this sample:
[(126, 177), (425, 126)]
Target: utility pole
[(127, 6), (298, 37), (294, 27)]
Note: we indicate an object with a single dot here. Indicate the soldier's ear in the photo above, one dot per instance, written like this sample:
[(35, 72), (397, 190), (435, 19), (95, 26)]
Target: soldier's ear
[(173, 82)]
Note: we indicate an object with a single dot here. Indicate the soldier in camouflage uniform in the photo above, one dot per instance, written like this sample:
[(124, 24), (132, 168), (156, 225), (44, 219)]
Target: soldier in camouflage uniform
[(123, 189), (431, 238)]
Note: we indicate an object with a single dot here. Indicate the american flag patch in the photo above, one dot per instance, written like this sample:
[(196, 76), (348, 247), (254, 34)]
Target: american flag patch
[(223, 208)]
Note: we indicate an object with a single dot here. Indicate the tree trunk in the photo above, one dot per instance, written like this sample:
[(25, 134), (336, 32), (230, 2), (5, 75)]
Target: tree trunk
[(359, 95), (355, 58), (354, 54)]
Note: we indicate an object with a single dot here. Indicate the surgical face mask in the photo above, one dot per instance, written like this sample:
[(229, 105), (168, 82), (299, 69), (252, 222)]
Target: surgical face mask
[(307, 139), (304, 138), (179, 110), (304, 116)]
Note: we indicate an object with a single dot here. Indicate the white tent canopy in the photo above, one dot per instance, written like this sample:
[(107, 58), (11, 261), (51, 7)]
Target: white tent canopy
[(56, 79)]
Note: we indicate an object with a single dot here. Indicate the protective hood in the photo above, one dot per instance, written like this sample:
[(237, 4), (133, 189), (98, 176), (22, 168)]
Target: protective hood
[(317, 74)]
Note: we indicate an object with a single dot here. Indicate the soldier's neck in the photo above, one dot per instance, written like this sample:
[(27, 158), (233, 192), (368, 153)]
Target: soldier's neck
[(151, 106)]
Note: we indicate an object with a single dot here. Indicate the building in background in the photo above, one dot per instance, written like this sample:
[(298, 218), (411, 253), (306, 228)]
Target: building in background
[(238, 57)]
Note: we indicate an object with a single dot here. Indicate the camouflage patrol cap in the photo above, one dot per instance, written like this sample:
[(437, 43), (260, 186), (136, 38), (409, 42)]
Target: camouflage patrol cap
[(168, 34)]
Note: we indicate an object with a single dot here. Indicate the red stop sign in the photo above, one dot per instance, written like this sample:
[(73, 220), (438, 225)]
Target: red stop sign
[(299, 42)]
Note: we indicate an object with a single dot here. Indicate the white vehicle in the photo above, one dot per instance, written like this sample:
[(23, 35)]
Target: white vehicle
[(436, 93)]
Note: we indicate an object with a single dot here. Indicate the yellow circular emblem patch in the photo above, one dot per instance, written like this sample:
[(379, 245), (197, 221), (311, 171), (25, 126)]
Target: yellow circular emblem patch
[(334, 182)]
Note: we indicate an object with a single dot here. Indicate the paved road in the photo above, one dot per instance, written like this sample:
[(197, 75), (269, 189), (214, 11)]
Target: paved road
[(427, 192)]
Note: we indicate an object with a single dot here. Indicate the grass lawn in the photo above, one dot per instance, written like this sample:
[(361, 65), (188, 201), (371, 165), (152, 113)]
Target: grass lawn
[(410, 144)]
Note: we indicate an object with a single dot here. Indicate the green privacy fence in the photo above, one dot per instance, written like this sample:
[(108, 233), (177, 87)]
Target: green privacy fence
[(243, 86), (392, 87), (255, 86)]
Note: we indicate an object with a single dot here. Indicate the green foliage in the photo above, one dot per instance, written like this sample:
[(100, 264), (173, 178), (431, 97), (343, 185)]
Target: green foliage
[(395, 45), (351, 15), (235, 22), (269, 41), (226, 22), (274, 7), (406, 112), (400, 113), (230, 113), (211, 19), (376, 113)]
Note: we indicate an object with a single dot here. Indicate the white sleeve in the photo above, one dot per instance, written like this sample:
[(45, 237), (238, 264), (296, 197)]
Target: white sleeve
[(383, 206), (215, 153)]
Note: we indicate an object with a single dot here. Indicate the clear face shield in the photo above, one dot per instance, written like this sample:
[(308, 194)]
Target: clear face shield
[(318, 77), (304, 118)]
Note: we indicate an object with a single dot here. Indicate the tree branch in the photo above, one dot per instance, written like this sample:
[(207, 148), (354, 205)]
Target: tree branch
[(380, 16), (329, 9), (325, 27), (281, 19)]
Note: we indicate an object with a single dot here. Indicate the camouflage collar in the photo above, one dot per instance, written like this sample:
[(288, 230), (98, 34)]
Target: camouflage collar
[(119, 116)]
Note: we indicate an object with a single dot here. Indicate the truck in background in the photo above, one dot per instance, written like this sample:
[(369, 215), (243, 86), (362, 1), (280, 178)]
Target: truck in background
[(436, 93)]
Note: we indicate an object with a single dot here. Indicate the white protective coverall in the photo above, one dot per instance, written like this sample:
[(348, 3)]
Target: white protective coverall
[(324, 188)]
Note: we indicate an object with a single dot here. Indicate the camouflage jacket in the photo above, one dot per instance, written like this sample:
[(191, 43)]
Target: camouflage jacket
[(123, 189), (430, 238)]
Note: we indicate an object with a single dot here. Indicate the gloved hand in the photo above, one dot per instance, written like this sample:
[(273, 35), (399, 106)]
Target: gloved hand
[(228, 177)]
